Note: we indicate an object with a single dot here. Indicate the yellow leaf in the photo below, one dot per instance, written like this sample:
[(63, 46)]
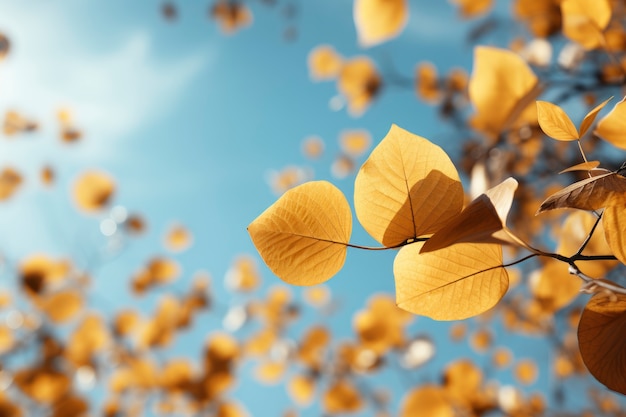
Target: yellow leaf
[(93, 190), (427, 400), (359, 82), (407, 188), (593, 193), (585, 166), (584, 21), (302, 237), (591, 116), (601, 340), (301, 389), (526, 372), (614, 222), (479, 221), (324, 62), (342, 397), (554, 122), (453, 283), (501, 88), (473, 8), (377, 21), (62, 306), (612, 127), (553, 286)]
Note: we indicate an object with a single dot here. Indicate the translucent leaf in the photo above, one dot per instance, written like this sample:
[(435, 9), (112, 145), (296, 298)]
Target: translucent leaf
[(479, 220), (555, 122), (453, 283), (612, 127), (553, 286), (501, 88), (407, 188), (584, 21), (302, 237), (601, 339), (377, 21), (592, 193), (584, 166), (590, 117), (427, 400), (614, 222)]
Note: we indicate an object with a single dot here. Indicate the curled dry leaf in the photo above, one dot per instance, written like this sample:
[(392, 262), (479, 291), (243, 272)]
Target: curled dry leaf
[(480, 221), (601, 340), (377, 21), (442, 284), (584, 166), (603, 190), (407, 188), (502, 88), (584, 21), (302, 237), (555, 122), (612, 127)]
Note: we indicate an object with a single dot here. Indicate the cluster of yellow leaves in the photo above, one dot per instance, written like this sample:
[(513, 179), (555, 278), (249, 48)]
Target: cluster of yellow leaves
[(407, 190), (599, 328)]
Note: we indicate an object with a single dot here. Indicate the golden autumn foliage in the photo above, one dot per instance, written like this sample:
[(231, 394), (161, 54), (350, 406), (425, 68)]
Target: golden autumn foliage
[(499, 227)]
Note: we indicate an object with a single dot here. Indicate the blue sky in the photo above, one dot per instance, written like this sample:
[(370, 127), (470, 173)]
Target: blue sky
[(190, 122)]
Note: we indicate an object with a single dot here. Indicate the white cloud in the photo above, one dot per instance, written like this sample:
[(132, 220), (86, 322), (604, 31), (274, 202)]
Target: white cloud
[(111, 93)]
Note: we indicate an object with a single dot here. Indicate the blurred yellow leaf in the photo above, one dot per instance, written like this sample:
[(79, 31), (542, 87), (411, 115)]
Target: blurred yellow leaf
[(501, 88), (355, 143), (62, 306), (584, 21), (607, 188), (231, 16), (43, 384), (553, 286), (394, 192), (473, 8), (590, 117), (453, 283), (427, 82), (302, 237), (612, 127), (601, 342), (427, 400), (93, 190), (324, 62), (555, 122), (313, 147), (377, 21), (270, 372), (301, 389), (230, 409), (526, 371), (359, 82), (178, 238), (614, 222), (10, 180), (479, 221), (342, 397)]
